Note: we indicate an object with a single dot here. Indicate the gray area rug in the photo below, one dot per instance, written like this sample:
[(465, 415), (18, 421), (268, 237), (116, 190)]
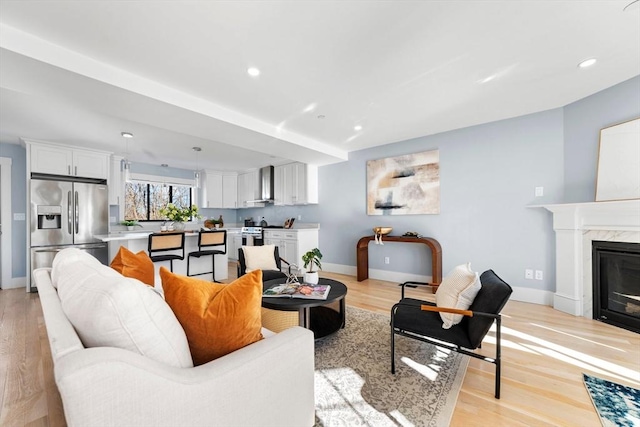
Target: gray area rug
[(354, 385)]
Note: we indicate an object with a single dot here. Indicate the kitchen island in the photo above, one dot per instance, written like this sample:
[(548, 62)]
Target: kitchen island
[(137, 241)]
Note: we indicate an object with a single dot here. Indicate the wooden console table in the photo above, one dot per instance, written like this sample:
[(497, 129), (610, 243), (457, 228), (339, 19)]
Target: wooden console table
[(362, 255)]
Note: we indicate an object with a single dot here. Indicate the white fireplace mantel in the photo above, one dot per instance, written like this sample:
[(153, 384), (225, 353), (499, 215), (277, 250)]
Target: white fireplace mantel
[(576, 226)]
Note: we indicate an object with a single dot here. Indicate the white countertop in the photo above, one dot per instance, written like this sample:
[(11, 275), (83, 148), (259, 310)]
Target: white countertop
[(144, 234), (135, 235)]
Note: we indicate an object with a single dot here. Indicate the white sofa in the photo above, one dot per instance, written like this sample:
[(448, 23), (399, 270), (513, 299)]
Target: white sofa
[(268, 383)]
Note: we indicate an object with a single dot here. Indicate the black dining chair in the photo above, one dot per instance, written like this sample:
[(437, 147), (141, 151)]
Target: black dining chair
[(421, 320), (160, 243), (210, 243)]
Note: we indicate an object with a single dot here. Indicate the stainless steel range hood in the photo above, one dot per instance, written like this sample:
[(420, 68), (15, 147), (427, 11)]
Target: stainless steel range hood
[(266, 184)]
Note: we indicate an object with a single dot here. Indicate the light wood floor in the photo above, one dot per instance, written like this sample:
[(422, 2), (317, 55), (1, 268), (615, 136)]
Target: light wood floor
[(545, 353)]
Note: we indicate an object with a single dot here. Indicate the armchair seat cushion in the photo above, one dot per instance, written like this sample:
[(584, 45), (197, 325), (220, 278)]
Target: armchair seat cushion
[(272, 274), (410, 318)]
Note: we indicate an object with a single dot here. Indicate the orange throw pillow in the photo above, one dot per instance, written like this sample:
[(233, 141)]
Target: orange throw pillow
[(217, 318), (138, 266)]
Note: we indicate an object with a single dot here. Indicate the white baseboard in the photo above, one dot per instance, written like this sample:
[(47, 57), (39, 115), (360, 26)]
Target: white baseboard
[(386, 275), (16, 282), (349, 270), (534, 296)]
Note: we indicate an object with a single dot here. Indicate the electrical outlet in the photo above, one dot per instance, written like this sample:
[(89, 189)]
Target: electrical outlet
[(19, 217), (299, 217), (539, 275), (539, 191), (112, 219), (528, 274), (386, 260)]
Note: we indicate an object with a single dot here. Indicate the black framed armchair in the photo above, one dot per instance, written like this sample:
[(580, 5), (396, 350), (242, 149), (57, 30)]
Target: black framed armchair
[(271, 267), (421, 320)]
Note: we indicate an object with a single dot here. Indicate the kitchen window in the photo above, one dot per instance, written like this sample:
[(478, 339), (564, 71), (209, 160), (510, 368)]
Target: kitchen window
[(144, 199)]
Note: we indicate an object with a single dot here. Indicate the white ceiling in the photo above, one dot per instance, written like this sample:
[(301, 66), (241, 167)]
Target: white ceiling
[(174, 73)]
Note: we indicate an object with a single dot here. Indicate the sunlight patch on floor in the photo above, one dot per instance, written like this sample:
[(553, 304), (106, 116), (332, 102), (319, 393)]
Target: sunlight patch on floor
[(345, 385), (401, 419), (574, 357), (576, 336), (490, 339), (423, 370)]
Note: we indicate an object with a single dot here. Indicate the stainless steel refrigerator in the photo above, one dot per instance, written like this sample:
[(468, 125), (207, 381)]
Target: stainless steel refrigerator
[(67, 213)]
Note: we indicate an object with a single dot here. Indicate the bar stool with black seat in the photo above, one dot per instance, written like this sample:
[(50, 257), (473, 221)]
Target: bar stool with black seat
[(210, 242), (166, 242)]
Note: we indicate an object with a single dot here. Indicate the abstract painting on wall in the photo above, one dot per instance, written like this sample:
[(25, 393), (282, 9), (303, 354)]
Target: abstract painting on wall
[(404, 185)]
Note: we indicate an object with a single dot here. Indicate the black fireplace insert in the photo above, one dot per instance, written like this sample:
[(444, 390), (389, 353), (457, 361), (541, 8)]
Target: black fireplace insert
[(616, 283)]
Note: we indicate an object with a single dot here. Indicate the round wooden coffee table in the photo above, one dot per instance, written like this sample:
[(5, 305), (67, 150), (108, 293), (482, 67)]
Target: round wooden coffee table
[(313, 313)]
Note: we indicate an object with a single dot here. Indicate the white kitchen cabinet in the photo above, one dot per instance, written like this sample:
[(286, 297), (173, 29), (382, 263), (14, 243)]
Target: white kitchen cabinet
[(58, 159), (292, 244), (90, 164), (116, 185), (230, 191), (249, 190), (213, 190), (220, 190), (234, 242), (296, 184)]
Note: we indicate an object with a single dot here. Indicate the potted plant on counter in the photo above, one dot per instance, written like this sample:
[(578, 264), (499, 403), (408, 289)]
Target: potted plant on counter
[(312, 259), (130, 224), (179, 215)]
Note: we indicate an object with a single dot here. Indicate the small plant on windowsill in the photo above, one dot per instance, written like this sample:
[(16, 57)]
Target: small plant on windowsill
[(312, 259), (130, 224)]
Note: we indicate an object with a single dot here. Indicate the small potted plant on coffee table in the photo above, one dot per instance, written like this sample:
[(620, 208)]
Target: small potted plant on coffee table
[(312, 259)]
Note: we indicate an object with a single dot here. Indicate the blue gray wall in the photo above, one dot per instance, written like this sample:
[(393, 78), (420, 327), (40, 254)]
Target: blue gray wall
[(18, 156), (488, 176), (583, 121)]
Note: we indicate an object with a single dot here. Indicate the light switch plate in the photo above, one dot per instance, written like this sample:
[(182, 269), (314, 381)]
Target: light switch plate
[(19, 217)]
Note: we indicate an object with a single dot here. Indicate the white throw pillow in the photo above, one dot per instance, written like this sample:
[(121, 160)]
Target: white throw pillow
[(457, 290), (259, 257), (109, 310)]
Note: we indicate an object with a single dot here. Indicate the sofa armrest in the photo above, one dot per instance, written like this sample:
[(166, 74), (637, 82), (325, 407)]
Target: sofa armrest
[(268, 383), (62, 337)]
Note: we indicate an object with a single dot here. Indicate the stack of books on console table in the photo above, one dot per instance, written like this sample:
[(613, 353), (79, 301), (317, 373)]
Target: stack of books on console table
[(298, 290)]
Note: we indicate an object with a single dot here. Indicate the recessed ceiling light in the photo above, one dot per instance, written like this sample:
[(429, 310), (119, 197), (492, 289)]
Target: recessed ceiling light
[(321, 116), (488, 79), (164, 165), (587, 63), (357, 128), (253, 71), (126, 134), (309, 108), (196, 149)]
